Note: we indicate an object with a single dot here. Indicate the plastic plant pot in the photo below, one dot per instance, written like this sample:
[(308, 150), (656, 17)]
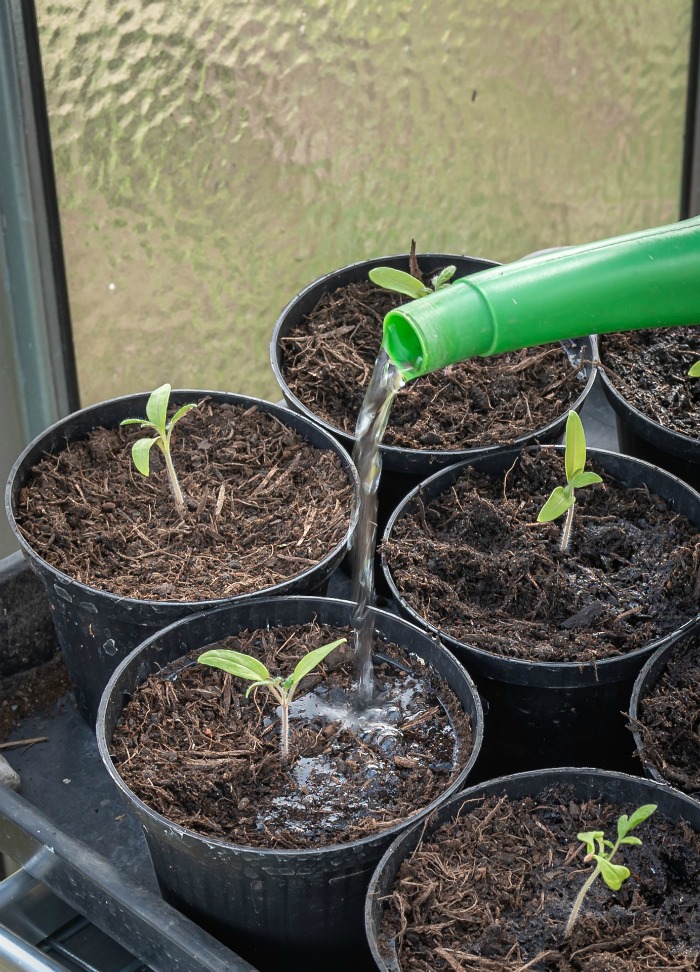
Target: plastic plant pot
[(97, 629), (646, 681), (616, 788), (404, 468), (291, 909), (538, 713)]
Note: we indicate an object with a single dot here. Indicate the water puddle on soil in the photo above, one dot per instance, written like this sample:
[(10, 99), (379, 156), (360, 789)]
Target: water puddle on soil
[(359, 771)]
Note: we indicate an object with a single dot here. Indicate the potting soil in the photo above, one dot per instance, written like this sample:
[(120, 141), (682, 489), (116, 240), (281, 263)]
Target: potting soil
[(492, 892), (475, 563), (263, 505), (649, 368), (195, 749)]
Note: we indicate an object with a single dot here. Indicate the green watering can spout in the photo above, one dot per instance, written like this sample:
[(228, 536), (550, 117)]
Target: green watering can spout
[(647, 279)]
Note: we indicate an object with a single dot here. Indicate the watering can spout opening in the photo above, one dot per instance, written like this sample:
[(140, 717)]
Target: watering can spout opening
[(403, 344)]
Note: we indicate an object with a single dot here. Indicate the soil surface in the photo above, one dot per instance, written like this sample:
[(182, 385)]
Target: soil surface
[(669, 719), (194, 748), (492, 892), (475, 563), (329, 358), (262, 506), (650, 370)]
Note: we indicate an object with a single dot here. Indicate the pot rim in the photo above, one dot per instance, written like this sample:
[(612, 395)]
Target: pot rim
[(278, 411), (186, 834)]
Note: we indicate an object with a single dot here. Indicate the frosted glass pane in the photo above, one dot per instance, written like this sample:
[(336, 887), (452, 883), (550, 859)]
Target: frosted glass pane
[(213, 156)]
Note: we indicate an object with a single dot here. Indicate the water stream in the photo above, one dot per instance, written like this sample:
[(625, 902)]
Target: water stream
[(386, 381)]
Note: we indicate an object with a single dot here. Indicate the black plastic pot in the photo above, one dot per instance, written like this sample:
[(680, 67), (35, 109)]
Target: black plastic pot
[(642, 437), (297, 910), (96, 629), (645, 682), (543, 714), (617, 788), (402, 469)]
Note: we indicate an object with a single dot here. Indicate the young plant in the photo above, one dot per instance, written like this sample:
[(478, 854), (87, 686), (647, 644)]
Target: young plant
[(253, 670), (602, 851), (562, 499), (405, 283), (157, 420), (694, 371)]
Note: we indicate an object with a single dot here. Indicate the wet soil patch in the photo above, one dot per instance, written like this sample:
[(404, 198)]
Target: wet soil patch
[(669, 719), (492, 892), (328, 360), (194, 748), (263, 505), (475, 563), (649, 369), (34, 691)]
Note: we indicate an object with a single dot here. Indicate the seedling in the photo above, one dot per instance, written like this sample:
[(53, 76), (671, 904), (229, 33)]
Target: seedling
[(562, 499), (252, 669), (602, 851), (405, 283), (157, 419), (694, 371)]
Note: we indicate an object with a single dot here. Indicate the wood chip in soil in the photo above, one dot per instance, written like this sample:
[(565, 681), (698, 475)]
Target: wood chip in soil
[(329, 357), (493, 890), (263, 505), (669, 719), (475, 563), (195, 749), (649, 368)]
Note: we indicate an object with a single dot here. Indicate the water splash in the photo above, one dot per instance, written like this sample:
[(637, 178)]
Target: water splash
[(386, 381)]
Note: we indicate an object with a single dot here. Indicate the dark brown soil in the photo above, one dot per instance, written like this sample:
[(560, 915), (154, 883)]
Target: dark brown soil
[(329, 358), (650, 370), (669, 719), (34, 691), (475, 564), (194, 748), (263, 506), (492, 892)]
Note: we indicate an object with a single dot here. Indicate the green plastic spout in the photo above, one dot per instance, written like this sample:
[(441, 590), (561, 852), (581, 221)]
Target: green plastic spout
[(647, 279)]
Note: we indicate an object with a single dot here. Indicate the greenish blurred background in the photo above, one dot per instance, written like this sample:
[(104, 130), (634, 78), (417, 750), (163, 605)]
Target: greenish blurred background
[(215, 156)]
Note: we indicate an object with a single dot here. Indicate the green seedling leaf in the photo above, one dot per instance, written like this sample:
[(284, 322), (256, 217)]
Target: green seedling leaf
[(624, 825), (444, 278), (584, 479), (694, 371), (575, 446), (559, 502), (398, 280), (157, 407), (156, 419), (614, 875), (310, 661), (183, 410), (252, 669), (141, 453), (561, 499), (589, 838), (236, 663)]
